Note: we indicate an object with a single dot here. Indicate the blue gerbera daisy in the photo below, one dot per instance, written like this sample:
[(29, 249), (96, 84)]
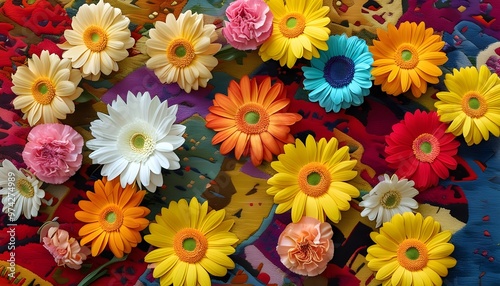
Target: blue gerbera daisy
[(340, 77)]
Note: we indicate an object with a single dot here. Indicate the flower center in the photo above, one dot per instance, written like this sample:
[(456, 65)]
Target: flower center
[(474, 105), (406, 57), (391, 199), (62, 251), (111, 218), (339, 71), (252, 118), (314, 179), (426, 147), (292, 25), (95, 38), (141, 143), (180, 53), (25, 188), (412, 254), (190, 245), (43, 91)]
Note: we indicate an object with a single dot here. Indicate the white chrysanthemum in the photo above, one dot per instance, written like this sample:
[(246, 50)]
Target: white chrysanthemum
[(99, 39), (136, 140), (20, 191), (389, 197)]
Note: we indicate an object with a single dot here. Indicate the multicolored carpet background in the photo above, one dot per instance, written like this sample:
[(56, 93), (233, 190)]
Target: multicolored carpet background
[(465, 204)]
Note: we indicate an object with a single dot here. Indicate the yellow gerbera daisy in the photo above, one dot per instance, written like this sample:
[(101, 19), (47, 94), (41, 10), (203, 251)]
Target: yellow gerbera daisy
[(410, 250), (191, 243), (46, 88), (407, 58), (310, 179), (298, 31), (471, 104), (182, 50), (99, 39), (113, 217)]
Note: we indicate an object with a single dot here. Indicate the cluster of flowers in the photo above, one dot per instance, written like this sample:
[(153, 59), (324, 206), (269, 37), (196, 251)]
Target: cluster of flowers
[(138, 137)]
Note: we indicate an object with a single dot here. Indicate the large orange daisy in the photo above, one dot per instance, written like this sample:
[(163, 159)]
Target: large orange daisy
[(250, 119), (113, 217), (407, 58)]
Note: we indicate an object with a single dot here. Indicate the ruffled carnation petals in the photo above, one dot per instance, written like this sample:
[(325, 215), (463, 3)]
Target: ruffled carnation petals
[(98, 40), (249, 24), (306, 247), (420, 149), (66, 250), (53, 152)]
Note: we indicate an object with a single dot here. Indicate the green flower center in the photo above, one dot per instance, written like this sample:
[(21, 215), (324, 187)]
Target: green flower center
[(189, 244), (138, 141), (406, 55), (412, 253), (391, 199), (252, 117), (43, 88), (180, 51), (474, 103), (426, 147), (313, 179), (25, 188), (95, 37), (291, 22), (110, 217)]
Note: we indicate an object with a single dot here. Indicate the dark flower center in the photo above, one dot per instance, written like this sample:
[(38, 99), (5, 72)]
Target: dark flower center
[(339, 71)]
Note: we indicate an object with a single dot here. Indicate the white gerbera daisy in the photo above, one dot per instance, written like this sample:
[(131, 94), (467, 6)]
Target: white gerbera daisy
[(136, 140), (389, 197), (99, 39), (20, 191)]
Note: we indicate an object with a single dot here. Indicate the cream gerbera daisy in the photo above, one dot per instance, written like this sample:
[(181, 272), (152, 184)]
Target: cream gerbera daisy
[(182, 50), (389, 197), (46, 88), (20, 191), (99, 39), (136, 140), (299, 30)]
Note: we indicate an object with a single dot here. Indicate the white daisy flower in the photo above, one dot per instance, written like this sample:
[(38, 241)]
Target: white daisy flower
[(389, 197), (99, 38), (136, 140), (20, 191)]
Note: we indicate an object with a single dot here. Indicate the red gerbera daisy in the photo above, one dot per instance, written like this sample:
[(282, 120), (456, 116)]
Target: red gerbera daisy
[(420, 149)]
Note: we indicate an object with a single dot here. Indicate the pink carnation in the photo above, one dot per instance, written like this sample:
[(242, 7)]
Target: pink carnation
[(66, 250), (53, 152), (306, 247), (250, 24)]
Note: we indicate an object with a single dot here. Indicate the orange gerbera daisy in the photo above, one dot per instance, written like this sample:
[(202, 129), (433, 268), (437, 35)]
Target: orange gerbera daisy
[(407, 58), (250, 119), (113, 216)]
